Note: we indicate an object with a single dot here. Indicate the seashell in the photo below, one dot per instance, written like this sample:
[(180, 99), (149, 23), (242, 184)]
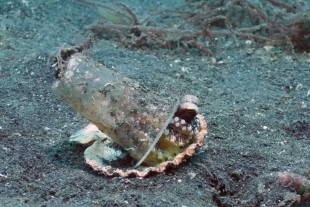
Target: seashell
[(159, 133)]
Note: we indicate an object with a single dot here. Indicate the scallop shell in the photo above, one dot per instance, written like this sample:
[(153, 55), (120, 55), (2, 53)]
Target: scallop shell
[(158, 132)]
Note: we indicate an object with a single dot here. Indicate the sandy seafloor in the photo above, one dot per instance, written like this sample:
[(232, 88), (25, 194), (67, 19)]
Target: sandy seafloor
[(256, 104)]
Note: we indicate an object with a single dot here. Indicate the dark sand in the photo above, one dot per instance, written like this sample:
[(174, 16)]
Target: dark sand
[(256, 103)]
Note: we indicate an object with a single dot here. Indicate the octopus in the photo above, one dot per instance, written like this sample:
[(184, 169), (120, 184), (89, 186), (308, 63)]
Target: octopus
[(127, 121)]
